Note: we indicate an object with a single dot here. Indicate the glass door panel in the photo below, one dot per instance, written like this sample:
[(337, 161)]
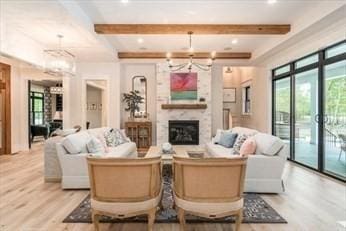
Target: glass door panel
[(282, 110), (335, 119), (306, 118)]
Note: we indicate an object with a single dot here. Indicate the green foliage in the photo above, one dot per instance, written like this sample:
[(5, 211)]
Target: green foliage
[(132, 100)]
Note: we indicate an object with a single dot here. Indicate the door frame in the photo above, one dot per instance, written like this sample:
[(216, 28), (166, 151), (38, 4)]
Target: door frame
[(290, 74), (6, 129)]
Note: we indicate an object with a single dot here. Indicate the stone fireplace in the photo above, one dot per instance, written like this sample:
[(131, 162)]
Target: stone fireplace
[(165, 117), (183, 132)]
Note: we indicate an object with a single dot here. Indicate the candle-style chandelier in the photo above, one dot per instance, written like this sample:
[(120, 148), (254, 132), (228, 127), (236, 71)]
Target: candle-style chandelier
[(191, 63)]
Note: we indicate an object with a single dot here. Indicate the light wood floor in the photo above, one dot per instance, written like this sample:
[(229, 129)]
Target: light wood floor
[(311, 201)]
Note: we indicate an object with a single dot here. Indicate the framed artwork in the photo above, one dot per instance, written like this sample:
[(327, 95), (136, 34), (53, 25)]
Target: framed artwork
[(229, 95), (184, 86)]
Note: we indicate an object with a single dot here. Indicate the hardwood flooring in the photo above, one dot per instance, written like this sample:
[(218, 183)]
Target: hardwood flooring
[(311, 201)]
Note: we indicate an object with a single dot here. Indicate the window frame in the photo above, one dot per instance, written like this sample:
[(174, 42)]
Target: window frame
[(33, 113)]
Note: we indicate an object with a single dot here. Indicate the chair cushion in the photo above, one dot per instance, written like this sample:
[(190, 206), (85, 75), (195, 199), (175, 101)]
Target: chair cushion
[(268, 144), (118, 208), (209, 208), (248, 147), (227, 139), (76, 143)]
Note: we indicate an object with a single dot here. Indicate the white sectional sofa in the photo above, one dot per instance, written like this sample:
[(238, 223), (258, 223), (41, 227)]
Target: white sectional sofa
[(73, 166), (264, 168)]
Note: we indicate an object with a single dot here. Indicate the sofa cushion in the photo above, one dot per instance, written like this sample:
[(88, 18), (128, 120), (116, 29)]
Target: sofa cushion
[(76, 143), (216, 150), (98, 131), (123, 150), (268, 144), (227, 139), (246, 131), (95, 146), (248, 147)]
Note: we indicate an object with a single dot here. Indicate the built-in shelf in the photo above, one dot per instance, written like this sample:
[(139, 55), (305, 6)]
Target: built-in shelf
[(184, 106)]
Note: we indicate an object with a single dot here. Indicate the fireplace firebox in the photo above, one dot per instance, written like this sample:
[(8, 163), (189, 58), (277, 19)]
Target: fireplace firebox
[(183, 132)]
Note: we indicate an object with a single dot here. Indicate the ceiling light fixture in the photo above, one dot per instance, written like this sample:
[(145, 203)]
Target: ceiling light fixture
[(234, 41), (190, 63), (59, 62), (271, 1), (140, 40), (57, 89), (124, 1), (229, 70)]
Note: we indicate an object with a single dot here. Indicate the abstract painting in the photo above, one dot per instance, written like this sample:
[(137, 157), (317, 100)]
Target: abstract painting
[(184, 86)]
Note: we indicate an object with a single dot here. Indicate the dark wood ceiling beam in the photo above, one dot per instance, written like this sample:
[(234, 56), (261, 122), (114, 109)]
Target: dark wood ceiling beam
[(195, 28), (183, 55)]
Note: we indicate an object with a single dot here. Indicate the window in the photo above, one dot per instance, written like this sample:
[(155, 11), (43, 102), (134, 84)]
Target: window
[(307, 61), (282, 70), (36, 108), (246, 100)]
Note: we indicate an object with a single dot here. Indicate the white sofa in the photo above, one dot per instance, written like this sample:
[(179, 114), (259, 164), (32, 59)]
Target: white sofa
[(264, 168), (74, 165)]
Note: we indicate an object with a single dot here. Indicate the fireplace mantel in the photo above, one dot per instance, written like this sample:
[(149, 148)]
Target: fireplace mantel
[(184, 106)]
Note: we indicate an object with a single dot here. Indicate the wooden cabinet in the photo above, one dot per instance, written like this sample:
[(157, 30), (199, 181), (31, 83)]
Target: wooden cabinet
[(139, 132)]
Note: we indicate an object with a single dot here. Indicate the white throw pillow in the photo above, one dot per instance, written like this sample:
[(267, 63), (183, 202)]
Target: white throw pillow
[(95, 146), (268, 144), (76, 143)]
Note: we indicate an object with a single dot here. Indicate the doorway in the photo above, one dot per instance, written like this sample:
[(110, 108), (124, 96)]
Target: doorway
[(5, 109), (96, 112)]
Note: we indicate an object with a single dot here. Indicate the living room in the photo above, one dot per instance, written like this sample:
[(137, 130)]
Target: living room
[(217, 97)]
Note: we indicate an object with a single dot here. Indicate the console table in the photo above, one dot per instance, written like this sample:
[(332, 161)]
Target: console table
[(140, 132)]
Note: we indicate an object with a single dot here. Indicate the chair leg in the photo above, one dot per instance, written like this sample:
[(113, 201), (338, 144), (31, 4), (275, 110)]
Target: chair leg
[(95, 219), (151, 219), (239, 220), (181, 216)]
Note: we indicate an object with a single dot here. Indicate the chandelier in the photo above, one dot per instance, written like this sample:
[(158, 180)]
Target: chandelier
[(190, 63), (59, 62)]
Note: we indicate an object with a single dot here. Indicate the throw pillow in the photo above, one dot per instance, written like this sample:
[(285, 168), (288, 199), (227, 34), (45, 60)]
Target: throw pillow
[(248, 147), (218, 135), (114, 138), (227, 139), (102, 139), (95, 146), (238, 143)]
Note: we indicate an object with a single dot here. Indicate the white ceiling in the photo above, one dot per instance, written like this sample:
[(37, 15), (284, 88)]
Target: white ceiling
[(43, 20)]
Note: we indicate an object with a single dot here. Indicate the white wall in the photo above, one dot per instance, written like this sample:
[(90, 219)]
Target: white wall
[(75, 93), (128, 70)]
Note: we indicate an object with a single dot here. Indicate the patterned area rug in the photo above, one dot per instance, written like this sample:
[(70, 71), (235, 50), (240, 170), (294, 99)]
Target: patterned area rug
[(256, 210)]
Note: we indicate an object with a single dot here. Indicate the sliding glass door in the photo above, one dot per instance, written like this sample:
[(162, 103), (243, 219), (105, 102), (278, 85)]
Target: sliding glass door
[(309, 109), (306, 118), (335, 118)]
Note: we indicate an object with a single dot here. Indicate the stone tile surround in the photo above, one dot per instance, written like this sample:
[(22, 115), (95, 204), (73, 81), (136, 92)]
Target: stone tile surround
[(163, 96)]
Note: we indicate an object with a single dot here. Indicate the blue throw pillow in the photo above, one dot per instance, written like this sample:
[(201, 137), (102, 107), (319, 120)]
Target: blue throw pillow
[(228, 139)]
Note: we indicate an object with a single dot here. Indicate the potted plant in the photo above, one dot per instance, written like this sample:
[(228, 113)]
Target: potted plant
[(132, 99)]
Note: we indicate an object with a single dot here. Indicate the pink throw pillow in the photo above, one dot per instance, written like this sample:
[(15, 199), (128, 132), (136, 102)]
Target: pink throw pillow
[(248, 147)]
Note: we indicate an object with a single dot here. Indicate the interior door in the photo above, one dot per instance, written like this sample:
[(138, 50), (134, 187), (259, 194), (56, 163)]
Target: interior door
[(5, 110)]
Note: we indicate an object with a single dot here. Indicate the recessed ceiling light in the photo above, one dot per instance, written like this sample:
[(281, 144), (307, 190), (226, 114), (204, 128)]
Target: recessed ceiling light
[(140, 40), (124, 1), (234, 41), (271, 1)]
